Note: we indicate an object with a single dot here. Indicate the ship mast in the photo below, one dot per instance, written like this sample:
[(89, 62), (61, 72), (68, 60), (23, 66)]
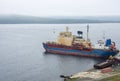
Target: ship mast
[(67, 29), (87, 32)]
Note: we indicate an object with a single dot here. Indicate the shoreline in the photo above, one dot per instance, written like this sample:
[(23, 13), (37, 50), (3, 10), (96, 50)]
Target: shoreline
[(96, 75)]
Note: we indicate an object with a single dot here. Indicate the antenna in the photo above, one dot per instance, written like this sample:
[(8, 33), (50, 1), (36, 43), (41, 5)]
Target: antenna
[(103, 35), (53, 30), (87, 32)]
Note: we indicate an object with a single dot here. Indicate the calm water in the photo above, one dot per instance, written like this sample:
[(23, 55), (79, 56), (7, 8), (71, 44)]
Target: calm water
[(22, 57)]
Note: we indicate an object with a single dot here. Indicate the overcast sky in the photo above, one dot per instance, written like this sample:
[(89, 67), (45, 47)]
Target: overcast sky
[(60, 7)]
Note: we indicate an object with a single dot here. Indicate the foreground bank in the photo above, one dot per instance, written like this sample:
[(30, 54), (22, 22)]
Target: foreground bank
[(113, 74)]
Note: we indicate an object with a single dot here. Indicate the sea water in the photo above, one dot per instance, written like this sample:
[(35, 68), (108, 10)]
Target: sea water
[(22, 55)]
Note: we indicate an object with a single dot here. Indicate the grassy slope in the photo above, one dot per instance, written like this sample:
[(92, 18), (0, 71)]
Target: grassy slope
[(113, 78)]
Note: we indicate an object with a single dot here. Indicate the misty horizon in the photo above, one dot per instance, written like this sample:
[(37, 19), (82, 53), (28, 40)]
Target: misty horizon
[(60, 7), (22, 19)]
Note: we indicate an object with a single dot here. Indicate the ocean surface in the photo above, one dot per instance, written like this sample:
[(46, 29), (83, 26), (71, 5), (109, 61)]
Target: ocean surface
[(22, 55)]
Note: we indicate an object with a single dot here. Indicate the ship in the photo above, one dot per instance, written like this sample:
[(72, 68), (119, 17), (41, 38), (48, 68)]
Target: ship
[(69, 44), (107, 63)]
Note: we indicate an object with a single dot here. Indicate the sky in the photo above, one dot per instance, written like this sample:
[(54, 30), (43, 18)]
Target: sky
[(60, 7)]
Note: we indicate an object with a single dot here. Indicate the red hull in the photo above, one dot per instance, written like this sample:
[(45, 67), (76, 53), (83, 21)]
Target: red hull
[(74, 54)]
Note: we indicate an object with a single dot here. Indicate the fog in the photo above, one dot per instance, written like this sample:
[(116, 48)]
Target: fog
[(60, 7)]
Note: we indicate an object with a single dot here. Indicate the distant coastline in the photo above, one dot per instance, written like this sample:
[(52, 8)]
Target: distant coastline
[(21, 19)]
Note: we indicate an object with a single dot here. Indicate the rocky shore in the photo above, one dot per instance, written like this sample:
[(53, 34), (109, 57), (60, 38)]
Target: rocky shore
[(96, 75)]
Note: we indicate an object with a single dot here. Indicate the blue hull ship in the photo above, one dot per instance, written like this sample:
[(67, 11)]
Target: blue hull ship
[(69, 44), (87, 53)]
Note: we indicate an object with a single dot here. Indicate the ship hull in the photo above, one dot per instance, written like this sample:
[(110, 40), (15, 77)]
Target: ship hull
[(57, 49)]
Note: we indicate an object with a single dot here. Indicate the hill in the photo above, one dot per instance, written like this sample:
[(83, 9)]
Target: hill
[(20, 19)]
